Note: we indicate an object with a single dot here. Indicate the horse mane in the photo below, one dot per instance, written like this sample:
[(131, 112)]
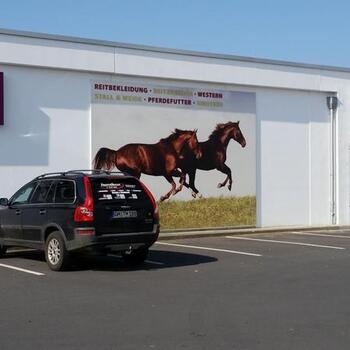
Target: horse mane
[(218, 131), (172, 136)]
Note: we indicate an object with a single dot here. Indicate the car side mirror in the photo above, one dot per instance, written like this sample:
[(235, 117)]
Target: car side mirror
[(4, 202)]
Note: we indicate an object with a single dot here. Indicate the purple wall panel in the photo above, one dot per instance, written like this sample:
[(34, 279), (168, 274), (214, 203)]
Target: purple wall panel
[(1, 98)]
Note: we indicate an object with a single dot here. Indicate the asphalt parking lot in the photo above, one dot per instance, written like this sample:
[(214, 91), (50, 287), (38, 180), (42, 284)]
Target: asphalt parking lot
[(257, 291)]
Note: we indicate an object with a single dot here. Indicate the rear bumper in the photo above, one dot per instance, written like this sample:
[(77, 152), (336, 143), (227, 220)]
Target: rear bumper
[(118, 241)]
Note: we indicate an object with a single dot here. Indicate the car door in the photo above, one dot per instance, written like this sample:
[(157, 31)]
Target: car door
[(11, 216), (62, 211), (34, 214)]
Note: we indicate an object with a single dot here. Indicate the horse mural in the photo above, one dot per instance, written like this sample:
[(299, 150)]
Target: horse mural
[(159, 159), (213, 156)]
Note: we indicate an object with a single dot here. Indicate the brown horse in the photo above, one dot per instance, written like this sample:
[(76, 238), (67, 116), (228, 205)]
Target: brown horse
[(213, 155), (159, 159)]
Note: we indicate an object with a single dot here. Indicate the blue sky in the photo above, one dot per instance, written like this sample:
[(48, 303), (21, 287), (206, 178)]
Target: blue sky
[(310, 31)]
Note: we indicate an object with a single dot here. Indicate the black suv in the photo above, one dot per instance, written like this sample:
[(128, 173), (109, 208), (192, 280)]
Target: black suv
[(81, 209)]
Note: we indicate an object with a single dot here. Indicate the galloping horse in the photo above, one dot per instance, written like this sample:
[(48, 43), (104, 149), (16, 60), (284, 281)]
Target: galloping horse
[(159, 159), (213, 155)]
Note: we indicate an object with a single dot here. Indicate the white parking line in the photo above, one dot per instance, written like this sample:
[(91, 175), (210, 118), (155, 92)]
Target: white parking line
[(331, 230), (286, 242), (146, 261), (206, 248), (22, 270), (153, 262), (319, 234)]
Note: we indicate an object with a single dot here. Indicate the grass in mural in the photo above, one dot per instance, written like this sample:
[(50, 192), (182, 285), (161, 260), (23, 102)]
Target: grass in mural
[(208, 212)]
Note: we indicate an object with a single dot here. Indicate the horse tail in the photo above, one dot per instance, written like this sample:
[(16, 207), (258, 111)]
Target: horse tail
[(105, 159)]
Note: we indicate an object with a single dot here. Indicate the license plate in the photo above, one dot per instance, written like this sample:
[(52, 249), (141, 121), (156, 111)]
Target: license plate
[(124, 214)]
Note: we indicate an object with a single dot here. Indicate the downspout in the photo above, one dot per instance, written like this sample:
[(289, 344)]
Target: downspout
[(332, 104)]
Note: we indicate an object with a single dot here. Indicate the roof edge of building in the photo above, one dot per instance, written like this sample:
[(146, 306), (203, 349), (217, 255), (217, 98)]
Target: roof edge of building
[(98, 42)]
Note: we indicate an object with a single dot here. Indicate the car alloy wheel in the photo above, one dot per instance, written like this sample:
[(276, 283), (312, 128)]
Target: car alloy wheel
[(54, 251), (56, 254)]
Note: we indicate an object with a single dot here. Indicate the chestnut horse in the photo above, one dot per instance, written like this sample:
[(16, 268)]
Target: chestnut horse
[(213, 156), (159, 159)]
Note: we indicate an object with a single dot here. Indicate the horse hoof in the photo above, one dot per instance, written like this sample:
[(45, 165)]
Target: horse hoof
[(200, 196), (229, 188), (194, 194), (220, 185), (162, 199)]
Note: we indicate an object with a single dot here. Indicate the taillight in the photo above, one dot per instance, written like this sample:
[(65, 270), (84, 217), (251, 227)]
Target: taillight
[(85, 212), (153, 201)]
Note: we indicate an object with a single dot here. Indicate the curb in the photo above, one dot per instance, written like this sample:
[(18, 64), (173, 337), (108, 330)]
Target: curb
[(217, 232)]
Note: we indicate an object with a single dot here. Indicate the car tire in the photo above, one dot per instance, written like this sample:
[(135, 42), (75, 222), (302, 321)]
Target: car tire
[(135, 257), (56, 253), (2, 251)]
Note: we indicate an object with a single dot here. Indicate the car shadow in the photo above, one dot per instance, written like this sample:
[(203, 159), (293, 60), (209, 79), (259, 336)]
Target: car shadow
[(157, 259)]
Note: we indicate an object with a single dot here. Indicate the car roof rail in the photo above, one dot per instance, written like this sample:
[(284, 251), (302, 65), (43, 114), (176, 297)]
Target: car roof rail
[(96, 171), (82, 172), (49, 175)]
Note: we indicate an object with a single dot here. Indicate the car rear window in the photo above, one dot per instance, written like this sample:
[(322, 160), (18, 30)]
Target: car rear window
[(111, 190), (65, 192)]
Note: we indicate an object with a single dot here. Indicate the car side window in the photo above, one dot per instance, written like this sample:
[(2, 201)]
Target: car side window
[(65, 192), (23, 195), (41, 192), (51, 193)]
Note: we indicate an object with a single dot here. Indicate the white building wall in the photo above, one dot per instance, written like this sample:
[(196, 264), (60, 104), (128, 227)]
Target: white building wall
[(47, 111), (55, 54), (295, 167), (47, 124), (172, 66)]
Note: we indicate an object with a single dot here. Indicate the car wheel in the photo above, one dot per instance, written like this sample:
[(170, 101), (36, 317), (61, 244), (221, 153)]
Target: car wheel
[(135, 257), (56, 253), (2, 251)]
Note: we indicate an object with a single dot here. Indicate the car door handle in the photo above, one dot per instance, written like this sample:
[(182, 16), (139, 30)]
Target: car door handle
[(18, 212), (42, 211)]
